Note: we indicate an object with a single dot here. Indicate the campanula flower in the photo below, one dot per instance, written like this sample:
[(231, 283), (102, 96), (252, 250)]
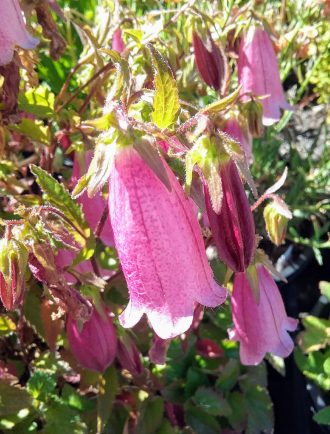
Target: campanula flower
[(160, 247), (258, 74), (260, 327)]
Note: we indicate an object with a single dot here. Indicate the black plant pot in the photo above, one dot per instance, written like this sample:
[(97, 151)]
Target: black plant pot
[(294, 400)]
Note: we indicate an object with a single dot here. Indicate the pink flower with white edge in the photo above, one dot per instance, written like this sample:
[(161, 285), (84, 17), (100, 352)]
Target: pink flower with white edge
[(13, 31), (260, 327), (258, 74), (160, 247)]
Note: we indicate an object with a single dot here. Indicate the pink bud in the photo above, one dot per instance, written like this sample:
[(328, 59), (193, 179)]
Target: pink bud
[(63, 139), (13, 264), (233, 228), (211, 62), (129, 355), (13, 31), (93, 207), (260, 327), (258, 74), (208, 348), (117, 41), (95, 345), (160, 247), (158, 350)]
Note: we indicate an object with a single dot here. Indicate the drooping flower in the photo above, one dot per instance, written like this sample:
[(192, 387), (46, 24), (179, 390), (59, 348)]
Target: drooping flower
[(13, 31), (258, 74), (211, 62), (95, 345), (117, 41), (260, 327), (233, 227), (13, 265), (129, 355), (233, 128), (160, 247), (93, 207)]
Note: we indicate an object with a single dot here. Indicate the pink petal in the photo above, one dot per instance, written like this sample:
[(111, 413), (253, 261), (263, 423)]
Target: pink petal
[(260, 328), (233, 128), (13, 31), (160, 248), (258, 73)]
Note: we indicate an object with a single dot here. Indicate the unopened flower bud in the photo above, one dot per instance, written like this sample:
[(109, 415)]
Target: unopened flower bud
[(252, 110), (129, 355), (13, 264), (276, 223), (117, 41), (211, 62), (233, 227), (95, 345)]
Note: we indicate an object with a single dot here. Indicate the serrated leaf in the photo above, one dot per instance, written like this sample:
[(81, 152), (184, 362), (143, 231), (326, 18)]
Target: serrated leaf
[(222, 104), (153, 160), (41, 385), (57, 195), (316, 335), (39, 102), (200, 421), (13, 399), (228, 377), (60, 418), (211, 402), (259, 409), (33, 129), (166, 103), (323, 416), (238, 416)]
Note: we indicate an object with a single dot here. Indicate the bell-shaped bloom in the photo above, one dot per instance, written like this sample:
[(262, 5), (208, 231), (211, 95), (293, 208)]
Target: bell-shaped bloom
[(260, 327), (233, 128), (117, 41), (95, 345), (211, 62), (93, 207), (258, 74), (13, 31), (160, 247), (233, 228), (13, 265)]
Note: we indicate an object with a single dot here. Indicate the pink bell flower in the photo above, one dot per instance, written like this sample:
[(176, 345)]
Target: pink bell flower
[(160, 248), (93, 207), (260, 327), (233, 228), (95, 345), (117, 41), (258, 74), (13, 31), (233, 128)]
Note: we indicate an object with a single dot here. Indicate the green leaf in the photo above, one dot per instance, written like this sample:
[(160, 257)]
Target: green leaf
[(33, 129), (211, 402), (222, 104), (71, 396), (323, 416), (107, 392), (41, 385), (314, 366), (13, 399), (151, 415), (60, 418), (325, 288), (238, 415), (200, 421), (39, 102), (122, 80), (316, 335), (56, 194), (229, 375), (7, 326), (166, 100), (259, 409)]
